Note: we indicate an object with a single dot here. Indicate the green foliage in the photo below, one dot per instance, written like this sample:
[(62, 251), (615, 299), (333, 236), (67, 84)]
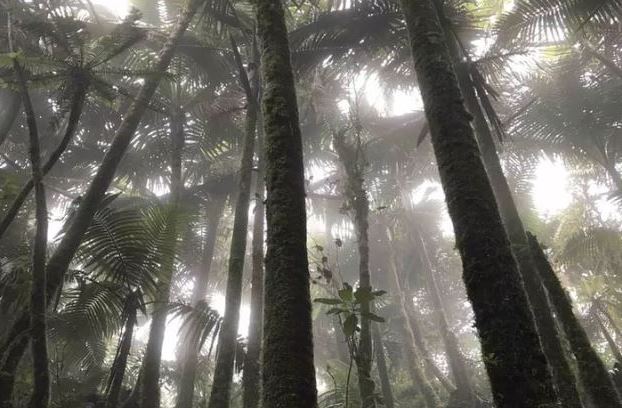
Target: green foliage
[(347, 307)]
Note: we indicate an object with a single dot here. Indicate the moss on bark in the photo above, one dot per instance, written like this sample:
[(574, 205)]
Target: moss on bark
[(288, 371), (353, 161), (515, 363), (596, 381)]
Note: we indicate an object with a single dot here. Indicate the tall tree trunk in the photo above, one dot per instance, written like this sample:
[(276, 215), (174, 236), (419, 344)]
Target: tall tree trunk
[(459, 369), (420, 343), (189, 364), (153, 354), (117, 371), (592, 372), (77, 105), (603, 309), (545, 323), (66, 249), (288, 370), (11, 103), (40, 397), (615, 350), (341, 341), (410, 349), (353, 162), (383, 372), (519, 373), (227, 338), (251, 378)]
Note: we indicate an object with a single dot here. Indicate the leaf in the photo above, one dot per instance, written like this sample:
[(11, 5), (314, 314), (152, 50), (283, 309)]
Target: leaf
[(346, 293), (363, 295), (350, 324), (374, 317), (336, 310), (328, 301)]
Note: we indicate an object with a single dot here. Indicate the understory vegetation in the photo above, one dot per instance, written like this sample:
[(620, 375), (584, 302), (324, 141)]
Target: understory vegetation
[(311, 203)]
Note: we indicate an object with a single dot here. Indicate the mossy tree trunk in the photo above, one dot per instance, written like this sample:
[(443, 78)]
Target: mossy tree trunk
[(40, 397), (514, 360), (288, 369), (251, 378), (227, 338), (77, 106), (593, 374), (383, 372), (190, 351), (150, 392), (61, 258), (410, 349), (353, 161), (545, 323)]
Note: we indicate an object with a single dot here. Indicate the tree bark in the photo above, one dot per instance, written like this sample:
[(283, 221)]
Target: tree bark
[(153, 354), (40, 397), (352, 161), (429, 362), (383, 372), (593, 374), (410, 349), (251, 377), (117, 371), (11, 103), (61, 258), (227, 338), (288, 370), (455, 358), (615, 350), (185, 391), (515, 363), (77, 105)]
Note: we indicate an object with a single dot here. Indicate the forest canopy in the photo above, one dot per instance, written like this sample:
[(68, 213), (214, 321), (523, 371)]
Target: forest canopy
[(310, 203)]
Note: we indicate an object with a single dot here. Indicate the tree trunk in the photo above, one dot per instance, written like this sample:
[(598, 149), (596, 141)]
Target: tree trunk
[(603, 309), (227, 338), (117, 371), (153, 354), (513, 357), (545, 323), (251, 378), (66, 249), (592, 372), (383, 372), (352, 161), (288, 370), (615, 350), (77, 105), (12, 355), (543, 315), (430, 364), (454, 356), (410, 349), (40, 397), (185, 391), (11, 102)]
